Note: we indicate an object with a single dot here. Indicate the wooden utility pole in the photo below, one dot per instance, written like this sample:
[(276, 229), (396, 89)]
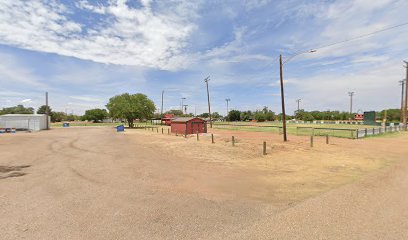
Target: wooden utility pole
[(285, 138), (208, 98), (47, 109), (406, 97), (161, 110), (402, 82)]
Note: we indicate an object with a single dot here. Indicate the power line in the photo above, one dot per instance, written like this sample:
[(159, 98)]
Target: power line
[(361, 36)]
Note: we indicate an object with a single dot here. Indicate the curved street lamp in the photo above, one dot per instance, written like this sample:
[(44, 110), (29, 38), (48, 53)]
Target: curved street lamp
[(281, 62)]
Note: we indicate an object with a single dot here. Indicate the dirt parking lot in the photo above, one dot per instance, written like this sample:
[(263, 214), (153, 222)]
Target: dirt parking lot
[(94, 183)]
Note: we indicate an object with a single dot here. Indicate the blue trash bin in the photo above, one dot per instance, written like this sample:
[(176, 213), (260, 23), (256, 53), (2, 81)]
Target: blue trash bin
[(120, 128), (65, 124)]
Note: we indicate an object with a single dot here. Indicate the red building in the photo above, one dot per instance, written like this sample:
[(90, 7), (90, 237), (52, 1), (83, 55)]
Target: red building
[(167, 119), (186, 125)]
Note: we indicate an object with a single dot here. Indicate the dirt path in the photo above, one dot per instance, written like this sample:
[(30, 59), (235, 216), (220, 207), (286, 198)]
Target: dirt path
[(93, 183)]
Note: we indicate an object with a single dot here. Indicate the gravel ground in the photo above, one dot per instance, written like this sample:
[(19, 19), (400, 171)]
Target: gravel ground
[(90, 183)]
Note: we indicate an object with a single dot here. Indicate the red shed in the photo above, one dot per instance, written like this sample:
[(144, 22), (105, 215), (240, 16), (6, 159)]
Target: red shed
[(185, 125)]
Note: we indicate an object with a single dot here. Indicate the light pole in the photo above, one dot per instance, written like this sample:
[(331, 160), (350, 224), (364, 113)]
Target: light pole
[(351, 94), (161, 110), (185, 108), (182, 103), (285, 138), (298, 103), (208, 98), (227, 100), (402, 83)]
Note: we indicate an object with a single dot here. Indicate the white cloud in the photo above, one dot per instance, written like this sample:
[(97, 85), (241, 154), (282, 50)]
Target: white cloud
[(26, 101), (129, 36)]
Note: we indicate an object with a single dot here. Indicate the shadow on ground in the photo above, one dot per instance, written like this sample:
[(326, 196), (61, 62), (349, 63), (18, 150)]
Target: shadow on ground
[(12, 171)]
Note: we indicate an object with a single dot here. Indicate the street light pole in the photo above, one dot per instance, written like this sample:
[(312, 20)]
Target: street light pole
[(182, 103), (298, 102), (161, 110), (285, 138), (351, 94), (227, 100), (406, 96), (402, 83), (208, 99)]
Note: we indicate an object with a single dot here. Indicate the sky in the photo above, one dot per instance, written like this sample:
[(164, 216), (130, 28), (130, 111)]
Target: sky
[(84, 52)]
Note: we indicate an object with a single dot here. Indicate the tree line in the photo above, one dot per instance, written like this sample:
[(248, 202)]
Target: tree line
[(138, 106)]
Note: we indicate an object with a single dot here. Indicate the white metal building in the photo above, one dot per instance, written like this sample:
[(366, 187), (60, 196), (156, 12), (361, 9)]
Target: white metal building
[(32, 122)]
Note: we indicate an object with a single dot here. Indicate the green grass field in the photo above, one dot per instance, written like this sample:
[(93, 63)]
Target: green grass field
[(335, 130)]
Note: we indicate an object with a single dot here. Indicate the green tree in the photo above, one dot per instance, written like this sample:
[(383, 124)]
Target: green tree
[(175, 112), (260, 117), (234, 115), (19, 109), (205, 115), (130, 107), (215, 115), (58, 116), (44, 110), (95, 115)]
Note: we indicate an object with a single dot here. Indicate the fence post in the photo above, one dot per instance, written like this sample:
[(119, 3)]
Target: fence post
[(366, 132), (212, 138), (233, 141), (198, 138), (356, 133), (157, 130), (373, 131), (327, 139), (311, 141), (168, 131), (264, 148), (176, 133), (162, 131)]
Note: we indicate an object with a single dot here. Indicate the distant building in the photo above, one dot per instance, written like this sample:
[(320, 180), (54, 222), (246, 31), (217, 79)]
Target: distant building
[(167, 119), (31, 122)]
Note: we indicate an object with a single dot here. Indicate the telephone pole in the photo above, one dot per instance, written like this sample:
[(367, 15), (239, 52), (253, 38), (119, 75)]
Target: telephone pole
[(351, 94), (285, 138), (402, 83), (47, 112), (406, 97), (227, 100), (208, 98), (298, 103), (185, 108), (182, 103), (161, 110)]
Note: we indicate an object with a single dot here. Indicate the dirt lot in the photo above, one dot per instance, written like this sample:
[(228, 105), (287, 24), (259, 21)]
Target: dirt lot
[(94, 183)]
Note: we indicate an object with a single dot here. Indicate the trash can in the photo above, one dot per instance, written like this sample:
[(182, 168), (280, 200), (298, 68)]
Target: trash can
[(65, 124), (120, 128)]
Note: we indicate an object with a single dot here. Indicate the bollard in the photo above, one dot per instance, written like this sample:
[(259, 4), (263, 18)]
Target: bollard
[(198, 138), (311, 141), (212, 138), (233, 141), (264, 148), (162, 131), (168, 131), (176, 133), (327, 139)]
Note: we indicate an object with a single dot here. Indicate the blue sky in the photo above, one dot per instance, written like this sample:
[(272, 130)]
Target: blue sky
[(84, 52)]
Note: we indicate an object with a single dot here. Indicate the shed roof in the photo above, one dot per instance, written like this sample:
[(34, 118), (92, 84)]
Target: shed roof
[(185, 119)]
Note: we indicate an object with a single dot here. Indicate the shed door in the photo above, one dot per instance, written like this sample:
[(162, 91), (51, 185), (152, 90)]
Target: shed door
[(197, 126)]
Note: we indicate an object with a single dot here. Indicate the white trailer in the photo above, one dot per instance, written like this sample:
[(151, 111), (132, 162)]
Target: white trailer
[(31, 122)]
